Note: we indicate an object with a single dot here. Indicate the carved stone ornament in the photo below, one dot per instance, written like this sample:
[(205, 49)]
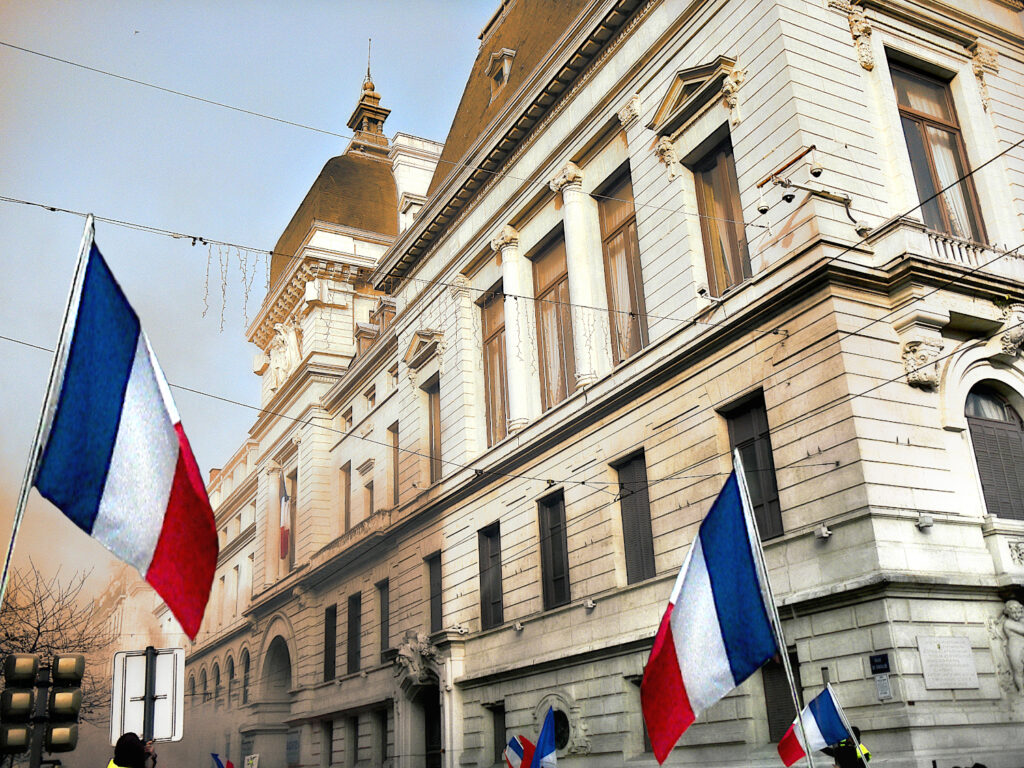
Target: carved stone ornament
[(284, 354), (579, 739), (415, 653), (919, 360), (1013, 336), (1007, 631), (860, 29), (460, 288), (665, 149), (729, 94), (569, 175), (983, 59), (507, 237), (1016, 551), (630, 112)]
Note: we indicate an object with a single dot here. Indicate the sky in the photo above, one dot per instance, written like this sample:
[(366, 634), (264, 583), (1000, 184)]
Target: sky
[(79, 140)]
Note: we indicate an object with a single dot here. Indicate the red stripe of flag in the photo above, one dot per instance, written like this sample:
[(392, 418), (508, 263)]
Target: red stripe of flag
[(663, 698)]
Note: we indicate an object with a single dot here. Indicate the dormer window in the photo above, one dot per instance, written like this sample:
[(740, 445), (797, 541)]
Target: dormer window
[(498, 69)]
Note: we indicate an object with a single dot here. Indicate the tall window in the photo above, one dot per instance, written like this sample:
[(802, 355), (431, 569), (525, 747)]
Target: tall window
[(492, 313), (498, 731), (489, 541), (937, 154), (721, 219), (434, 587), (777, 698), (748, 432), (330, 641), (245, 677), (368, 493), (326, 743), (997, 434), (289, 519), (345, 492), (554, 552), (433, 392), (351, 741), (355, 626), (384, 605), (637, 539), (393, 456), (554, 324), (622, 269)]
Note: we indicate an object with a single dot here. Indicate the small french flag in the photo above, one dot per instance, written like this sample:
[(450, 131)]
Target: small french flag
[(519, 752), (715, 632), (823, 727), (114, 457), (218, 764), (545, 755)]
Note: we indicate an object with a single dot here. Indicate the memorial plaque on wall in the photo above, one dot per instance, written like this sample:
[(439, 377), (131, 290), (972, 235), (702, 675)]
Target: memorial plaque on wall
[(947, 662)]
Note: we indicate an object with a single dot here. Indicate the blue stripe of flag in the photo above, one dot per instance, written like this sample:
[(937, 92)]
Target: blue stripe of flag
[(826, 714), (746, 632), (75, 460)]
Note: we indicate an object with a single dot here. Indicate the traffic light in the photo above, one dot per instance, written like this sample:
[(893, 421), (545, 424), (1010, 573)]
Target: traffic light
[(18, 702), (64, 703)]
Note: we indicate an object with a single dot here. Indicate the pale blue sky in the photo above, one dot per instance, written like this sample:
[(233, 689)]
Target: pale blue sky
[(82, 141)]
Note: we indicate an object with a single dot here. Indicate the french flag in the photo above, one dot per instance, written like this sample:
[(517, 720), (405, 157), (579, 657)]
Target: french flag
[(823, 727), (114, 456), (519, 752), (218, 764), (715, 632), (544, 756)]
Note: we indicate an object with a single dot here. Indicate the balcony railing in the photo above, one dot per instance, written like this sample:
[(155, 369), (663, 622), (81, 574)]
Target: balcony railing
[(972, 255)]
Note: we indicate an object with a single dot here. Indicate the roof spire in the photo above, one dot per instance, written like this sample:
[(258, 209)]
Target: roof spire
[(367, 121)]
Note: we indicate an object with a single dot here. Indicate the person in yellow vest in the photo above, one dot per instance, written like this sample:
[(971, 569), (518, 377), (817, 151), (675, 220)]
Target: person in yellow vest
[(131, 752), (846, 756)]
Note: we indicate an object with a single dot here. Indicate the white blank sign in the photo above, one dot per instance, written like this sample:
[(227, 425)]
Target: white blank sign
[(127, 706)]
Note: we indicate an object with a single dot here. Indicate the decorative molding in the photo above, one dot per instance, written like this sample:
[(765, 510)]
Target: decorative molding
[(579, 741), (630, 112), (507, 237), (425, 344), (920, 361), (692, 90), (1013, 337), (665, 149), (860, 30), (730, 96), (569, 175), (366, 467), (983, 59), (416, 659), (460, 288), (1016, 550)]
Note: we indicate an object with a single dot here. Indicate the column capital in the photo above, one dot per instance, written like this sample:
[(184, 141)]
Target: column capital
[(507, 237), (569, 175)]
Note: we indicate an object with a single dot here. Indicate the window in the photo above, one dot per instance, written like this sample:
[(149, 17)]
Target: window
[(368, 492), (721, 219), (937, 154), (384, 603), (393, 376), (245, 677), (489, 541), (231, 679), (622, 269), (330, 641), (554, 324), (216, 682), (433, 392), (749, 433), (345, 492), (351, 741), (326, 743), (204, 686), (191, 688), (434, 586), (393, 457), (380, 733), (997, 434), (498, 731), (554, 554), (778, 700), (355, 608), (492, 312), (637, 539), (371, 397), (289, 504)]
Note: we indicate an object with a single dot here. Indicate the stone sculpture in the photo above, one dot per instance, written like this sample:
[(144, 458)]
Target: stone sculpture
[(413, 653), (1013, 633)]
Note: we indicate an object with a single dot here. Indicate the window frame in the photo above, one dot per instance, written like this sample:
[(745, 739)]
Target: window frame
[(998, 501), (330, 642), (565, 339), (435, 590), (767, 511), (636, 518), (550, 548), (492, 609), (736, 232), (353, 645), (494, 336), (432, 390)]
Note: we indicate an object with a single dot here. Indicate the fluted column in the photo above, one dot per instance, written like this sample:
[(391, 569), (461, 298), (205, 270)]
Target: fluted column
[(585, 263), (521, 365)]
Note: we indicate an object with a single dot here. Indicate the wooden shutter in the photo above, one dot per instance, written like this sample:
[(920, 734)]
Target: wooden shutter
[(999, 453), (749, 432), (330, 641), (778, 701), (355, 609), (637, 539), (554, 552), (384, 595), (434, 579)]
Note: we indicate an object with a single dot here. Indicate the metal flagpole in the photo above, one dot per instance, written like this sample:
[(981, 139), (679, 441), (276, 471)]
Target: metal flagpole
[(846, 724), (53, 386), (768, 596)]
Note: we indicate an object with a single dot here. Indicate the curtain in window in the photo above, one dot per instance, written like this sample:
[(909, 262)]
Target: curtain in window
[(949, 171), (626, 328)]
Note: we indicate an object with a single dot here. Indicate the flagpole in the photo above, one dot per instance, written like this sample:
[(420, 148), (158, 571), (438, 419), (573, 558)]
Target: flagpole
[(768, 595), (846, 724), (52, 393)]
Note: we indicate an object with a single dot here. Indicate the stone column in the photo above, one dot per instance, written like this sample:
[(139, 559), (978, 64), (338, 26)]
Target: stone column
[(521, 365), (585, 262), (452, 714), (272, 525)]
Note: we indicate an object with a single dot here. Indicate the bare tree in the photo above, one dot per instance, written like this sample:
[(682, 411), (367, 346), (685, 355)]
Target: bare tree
[(48, 615)]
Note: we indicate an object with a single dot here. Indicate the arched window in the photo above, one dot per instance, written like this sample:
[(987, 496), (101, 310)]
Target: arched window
[(204, 687), (230, 668), (997, 433), (192, 690), (245, 677), (216, 682)]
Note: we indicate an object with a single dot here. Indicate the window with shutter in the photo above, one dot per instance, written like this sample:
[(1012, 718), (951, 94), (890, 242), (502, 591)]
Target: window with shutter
[(491, 614), (554, 553), (434, 586), (778, 701), (384, 600), (750, 434), (997, 434), (355, 621), (637, 539), (554, 324), (330, 640), (623, 279)]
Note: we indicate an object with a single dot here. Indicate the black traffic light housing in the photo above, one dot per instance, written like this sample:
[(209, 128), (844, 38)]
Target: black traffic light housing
[(65, 702), (18, 702)]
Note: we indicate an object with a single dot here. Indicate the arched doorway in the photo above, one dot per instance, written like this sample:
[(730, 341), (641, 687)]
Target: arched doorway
[(997, 434), (277, 671)]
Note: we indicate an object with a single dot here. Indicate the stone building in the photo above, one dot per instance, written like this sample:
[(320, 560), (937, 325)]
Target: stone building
[(503, 378)]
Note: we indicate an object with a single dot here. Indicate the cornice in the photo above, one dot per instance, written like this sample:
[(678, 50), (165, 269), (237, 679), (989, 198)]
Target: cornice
[(362, 368), (233, 501), (305, 375), (945, 19), (236, 544)]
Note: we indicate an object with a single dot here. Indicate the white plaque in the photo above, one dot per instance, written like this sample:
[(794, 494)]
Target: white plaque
[(882, 686), (947, 662)]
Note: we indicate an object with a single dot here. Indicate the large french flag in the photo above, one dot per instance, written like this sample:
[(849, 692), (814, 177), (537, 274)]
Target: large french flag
[(115, 458), (545, 754), (823, 727), (715, 632)]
